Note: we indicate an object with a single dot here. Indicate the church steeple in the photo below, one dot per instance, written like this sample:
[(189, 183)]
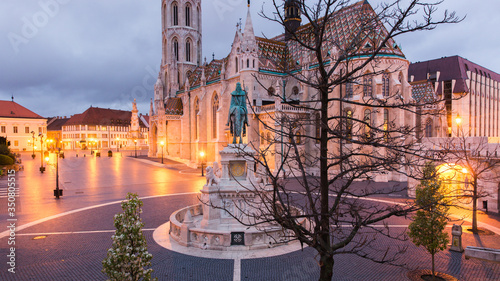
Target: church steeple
[(292, 17), (182, 42)]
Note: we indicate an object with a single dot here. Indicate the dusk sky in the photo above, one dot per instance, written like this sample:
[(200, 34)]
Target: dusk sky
[(59, 57)]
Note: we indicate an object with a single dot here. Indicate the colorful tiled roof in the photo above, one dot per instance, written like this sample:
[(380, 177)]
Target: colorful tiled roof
[(11, 109), (423, 92), (173, 106), (102, 117), (212, 72), (346, 28), (272, 54)]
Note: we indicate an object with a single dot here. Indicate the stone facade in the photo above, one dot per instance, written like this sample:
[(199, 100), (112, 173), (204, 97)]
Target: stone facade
[(190, 117)]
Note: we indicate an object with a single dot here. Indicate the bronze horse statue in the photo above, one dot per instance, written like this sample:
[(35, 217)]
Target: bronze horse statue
[(238, 119)]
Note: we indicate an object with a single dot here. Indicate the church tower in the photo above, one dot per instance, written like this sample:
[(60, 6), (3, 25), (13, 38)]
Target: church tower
[(292, 17), (181, 41)]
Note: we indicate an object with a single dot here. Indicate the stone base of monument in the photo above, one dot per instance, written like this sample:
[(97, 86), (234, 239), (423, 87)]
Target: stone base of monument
[(231, 203)]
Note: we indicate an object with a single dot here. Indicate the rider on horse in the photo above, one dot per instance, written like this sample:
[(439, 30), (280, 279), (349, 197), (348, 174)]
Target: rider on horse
[(237, 118)]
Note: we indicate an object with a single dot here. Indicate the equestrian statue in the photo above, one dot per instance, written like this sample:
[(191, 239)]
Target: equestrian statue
[(238, 119)]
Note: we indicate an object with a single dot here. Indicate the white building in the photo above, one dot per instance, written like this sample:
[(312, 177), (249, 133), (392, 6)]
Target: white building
[(21, 126)]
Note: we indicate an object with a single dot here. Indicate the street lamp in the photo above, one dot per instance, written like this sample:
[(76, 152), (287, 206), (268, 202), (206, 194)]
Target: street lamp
[(33, 135), (202, 154), (42, 168), (135, 148), (57, 191), (162, 143)]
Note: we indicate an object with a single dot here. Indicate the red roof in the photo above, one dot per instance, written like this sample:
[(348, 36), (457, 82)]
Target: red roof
[(101, 116), (11, 109)]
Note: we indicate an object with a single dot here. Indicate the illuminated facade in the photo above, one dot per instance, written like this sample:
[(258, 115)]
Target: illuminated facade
[(191, 99)]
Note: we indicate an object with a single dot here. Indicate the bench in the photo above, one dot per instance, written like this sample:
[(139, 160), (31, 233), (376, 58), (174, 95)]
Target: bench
[(486, 254)]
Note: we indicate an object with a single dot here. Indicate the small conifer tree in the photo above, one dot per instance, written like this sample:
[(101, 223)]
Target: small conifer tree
[(128, 257), (427, 228)]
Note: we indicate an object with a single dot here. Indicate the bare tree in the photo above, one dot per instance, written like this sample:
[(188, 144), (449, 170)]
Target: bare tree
[(346, 130), (471, 164)]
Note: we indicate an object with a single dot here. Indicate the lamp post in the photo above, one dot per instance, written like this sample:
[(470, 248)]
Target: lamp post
[(162, 143), (57, 192), (42, 168), (202, 154), (33, 135), (135, 148)]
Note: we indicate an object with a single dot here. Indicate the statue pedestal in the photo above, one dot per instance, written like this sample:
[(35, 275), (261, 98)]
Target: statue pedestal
[(221, 221)]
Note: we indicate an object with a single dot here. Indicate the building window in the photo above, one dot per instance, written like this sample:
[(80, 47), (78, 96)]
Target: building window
[(236, 64), (428, 128), (175, 14), (386, 125), (196, 119), (188, 15), (318, 128), (348, 124), (298, 137), (14, 129), (385, 84), (367, 121), (367, 86), (2, 129), (349, 90), (215, 108), (271, 91), (176, 50), (26, 130), (16, 143), (188, 50), (40, 130)]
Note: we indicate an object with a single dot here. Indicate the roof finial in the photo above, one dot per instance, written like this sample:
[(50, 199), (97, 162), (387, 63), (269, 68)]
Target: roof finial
[(249, 3), (213, 56), (12, 97)]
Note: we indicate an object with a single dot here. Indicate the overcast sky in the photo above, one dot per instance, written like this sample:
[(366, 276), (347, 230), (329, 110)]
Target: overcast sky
[(59, 57)]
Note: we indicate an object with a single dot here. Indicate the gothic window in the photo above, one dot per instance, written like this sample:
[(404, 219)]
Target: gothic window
[(349, 90), (367, 86), (348, 124), (188, 15), (175, 14), (428, 128), (248, 63), (271, 91), (188, 50), (236, 64), (198, 17), (164, 16), (196, 119), (176, 49), (295, 93), (298, 137), (253, 63), (386, 125), (318, 127), (215, 108), (385, 84), (367, 121)]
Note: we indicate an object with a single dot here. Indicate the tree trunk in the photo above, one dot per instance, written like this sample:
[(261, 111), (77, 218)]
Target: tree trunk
[(326, 268), (433, 272), (474, 207)]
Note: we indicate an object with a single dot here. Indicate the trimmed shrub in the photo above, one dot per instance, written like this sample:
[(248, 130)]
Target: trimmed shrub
[(6, 160)]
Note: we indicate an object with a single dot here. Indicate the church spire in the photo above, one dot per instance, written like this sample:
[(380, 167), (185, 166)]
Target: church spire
[(248, 32)]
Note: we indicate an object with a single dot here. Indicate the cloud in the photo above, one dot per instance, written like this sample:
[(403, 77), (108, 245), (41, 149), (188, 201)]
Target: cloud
[(71, 54)]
